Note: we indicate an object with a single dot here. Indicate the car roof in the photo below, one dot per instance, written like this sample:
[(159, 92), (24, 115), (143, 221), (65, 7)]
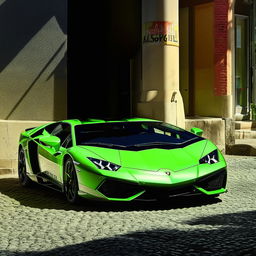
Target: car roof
[(94, 120)]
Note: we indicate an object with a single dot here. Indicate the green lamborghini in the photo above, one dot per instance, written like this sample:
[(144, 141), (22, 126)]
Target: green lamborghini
[(121, 160)]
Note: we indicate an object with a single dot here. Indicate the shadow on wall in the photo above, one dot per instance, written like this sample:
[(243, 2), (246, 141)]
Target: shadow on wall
[(32, 48), (233, 237)]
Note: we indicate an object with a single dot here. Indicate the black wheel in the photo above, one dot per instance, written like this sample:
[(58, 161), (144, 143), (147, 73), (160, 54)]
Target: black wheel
[(22, 169), (70, 182)]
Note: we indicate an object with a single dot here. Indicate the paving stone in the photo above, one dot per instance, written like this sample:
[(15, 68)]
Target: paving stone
[(39, 221)]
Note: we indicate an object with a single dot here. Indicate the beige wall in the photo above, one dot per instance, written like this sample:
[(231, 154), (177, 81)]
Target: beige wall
[(33, 82), (184, 57), (9, 140), (213, 129), (206, 103)]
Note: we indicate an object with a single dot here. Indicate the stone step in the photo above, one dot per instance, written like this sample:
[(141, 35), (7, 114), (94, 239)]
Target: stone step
[(242, 147), (245, 134), (245, 125), (4, 171)]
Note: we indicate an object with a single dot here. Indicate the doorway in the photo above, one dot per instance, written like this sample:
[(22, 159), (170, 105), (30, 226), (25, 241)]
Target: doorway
[(242, 67), (99, 65), (197, 58), (245, 60)]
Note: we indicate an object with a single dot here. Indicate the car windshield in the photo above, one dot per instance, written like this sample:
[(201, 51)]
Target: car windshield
[(132, 134)]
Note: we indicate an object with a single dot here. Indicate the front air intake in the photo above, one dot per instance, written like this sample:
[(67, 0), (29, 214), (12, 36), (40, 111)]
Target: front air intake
[(119, 189), (213, 181)]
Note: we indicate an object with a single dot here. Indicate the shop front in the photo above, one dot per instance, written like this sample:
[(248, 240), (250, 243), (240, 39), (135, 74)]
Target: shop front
[(245, 60)]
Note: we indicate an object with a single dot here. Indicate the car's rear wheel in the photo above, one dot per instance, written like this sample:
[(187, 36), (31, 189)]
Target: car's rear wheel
[(22, 169), (70, 182)]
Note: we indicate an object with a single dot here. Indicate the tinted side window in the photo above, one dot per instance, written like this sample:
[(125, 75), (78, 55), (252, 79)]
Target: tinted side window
[(68, 142), (63, 130), (49, 128)]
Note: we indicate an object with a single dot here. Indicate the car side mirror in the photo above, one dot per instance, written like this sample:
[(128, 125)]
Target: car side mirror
[(52, 141), (197, 131)]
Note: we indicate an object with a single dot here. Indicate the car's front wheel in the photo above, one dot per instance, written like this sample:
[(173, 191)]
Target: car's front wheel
[(22, 169), (70, 182)]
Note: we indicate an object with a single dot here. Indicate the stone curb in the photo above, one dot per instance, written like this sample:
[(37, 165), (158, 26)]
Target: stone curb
[(241, 150), (4, 171)]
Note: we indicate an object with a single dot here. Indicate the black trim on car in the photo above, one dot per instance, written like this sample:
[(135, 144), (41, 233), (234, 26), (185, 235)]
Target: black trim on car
[(120, 189), (28, 129), (213, 181)]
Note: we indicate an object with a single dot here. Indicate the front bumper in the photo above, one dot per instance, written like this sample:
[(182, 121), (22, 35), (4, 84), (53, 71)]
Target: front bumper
[(118, 190)]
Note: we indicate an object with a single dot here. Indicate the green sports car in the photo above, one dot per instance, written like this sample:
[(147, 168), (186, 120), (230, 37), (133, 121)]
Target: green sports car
[(121, 160)]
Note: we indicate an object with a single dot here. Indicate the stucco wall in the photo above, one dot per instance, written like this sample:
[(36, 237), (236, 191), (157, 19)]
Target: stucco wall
[(9, 140), (213, 129), (33, 59)]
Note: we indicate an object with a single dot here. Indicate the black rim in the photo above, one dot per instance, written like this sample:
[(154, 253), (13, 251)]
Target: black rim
[(22, 167), (71, 182)]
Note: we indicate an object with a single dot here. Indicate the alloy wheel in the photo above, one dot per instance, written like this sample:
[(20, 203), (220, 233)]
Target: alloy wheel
[(70, 184), (22, 169)]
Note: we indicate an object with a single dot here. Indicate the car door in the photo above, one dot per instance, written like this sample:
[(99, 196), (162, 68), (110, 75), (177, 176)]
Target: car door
[(49, 159)]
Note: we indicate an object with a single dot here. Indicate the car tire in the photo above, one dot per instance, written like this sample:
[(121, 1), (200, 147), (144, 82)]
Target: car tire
[(24, 180), (70, 182)]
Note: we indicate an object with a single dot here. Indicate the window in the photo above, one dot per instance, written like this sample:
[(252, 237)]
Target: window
[(128, 134), (49, 128), (62, 130), (67, 142)]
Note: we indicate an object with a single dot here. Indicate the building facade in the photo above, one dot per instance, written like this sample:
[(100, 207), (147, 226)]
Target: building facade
[(161, 58), (221, 63), (171, 60)]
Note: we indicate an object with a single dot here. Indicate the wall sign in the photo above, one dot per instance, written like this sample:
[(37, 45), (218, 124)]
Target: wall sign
[(160, 32)]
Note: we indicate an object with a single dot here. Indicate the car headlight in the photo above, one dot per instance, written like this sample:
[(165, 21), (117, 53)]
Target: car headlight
[(104, 165), (211, 158)]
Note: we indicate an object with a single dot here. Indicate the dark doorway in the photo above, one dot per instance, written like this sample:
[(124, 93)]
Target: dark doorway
[(244, 58), (103, 38)]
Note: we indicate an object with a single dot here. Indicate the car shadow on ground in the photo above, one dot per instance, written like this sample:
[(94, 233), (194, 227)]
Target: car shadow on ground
[(233, 235), (42, 197)]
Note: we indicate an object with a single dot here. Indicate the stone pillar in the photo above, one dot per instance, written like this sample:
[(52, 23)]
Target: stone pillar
[(160, 97)]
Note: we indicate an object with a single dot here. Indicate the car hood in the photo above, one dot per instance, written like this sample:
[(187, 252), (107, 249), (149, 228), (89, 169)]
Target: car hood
[(152, 159), (156, 158)]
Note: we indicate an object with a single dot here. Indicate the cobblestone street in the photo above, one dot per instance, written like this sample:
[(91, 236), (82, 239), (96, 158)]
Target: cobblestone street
[(38, 221)]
